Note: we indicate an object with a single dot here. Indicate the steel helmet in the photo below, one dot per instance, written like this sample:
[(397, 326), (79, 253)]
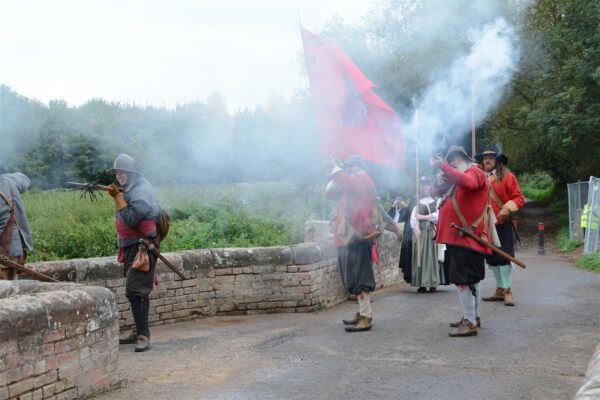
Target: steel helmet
[(123, 162)]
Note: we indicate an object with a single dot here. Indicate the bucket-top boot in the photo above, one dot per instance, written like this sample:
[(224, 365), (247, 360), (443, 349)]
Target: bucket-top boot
[(508, 299), (498, 296)]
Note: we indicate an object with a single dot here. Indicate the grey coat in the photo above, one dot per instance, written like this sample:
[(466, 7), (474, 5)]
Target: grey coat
[(12, 185), (141, 204)]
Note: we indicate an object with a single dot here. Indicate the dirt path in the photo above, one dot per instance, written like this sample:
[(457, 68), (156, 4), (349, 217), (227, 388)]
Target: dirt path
[(537, 350)]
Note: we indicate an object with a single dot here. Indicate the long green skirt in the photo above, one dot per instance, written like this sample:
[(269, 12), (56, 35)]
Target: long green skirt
[(429, 273)]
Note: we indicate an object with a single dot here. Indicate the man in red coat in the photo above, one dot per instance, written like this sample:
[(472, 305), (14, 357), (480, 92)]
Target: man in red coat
[(354, 230), (465, 203), (506, 197)]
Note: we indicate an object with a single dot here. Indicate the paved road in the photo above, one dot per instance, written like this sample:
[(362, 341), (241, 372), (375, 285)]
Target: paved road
[(537, 350)]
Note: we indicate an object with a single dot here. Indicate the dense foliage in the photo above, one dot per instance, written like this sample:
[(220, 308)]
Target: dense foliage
[(536, 186), (191, 144), (551, 118)]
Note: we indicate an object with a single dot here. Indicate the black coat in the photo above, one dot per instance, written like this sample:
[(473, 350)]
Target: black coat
[(406, 249)]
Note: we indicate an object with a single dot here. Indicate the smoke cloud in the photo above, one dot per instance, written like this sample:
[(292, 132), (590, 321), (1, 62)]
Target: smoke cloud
[(470, 87)]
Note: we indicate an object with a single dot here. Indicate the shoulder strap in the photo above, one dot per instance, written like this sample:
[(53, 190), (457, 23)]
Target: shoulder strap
[(482, 216), (495, 196)]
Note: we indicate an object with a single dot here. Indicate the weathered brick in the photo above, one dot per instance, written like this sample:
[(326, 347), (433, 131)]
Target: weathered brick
[(20, 387), (60, 386), (67, 395), (48, 390), (37, 394), (45, 379), (25, 396)]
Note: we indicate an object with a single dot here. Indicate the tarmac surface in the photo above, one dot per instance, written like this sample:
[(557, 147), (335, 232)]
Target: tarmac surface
[(538, 349)]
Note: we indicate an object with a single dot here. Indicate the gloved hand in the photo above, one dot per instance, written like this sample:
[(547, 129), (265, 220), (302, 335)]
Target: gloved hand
[(114, 190), (503, 215), (118, 197)]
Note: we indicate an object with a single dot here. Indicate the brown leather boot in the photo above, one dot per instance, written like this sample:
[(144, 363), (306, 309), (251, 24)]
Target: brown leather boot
[(363, 324), (465, 329), (508, 300), (459, 323), (352, 321), (498, 296)]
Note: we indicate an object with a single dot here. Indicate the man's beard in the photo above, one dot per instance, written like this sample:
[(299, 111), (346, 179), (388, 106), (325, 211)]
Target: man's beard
[(463, 165), (489, 167)]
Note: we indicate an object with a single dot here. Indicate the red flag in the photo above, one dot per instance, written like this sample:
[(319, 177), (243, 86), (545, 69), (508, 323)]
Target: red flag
[(351, 118)]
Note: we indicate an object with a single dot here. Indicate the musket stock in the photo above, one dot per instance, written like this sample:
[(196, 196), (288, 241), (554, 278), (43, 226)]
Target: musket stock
[(152, 248), (21, 268)]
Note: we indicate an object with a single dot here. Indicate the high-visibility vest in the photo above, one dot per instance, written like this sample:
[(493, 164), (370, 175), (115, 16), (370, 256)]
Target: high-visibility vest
[(590, 213)]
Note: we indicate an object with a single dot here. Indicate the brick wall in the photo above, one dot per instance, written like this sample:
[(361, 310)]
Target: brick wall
[(299, 278), (57, 341)]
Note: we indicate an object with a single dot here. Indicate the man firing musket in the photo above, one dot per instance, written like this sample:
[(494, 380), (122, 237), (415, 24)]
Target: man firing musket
[(139, 230)]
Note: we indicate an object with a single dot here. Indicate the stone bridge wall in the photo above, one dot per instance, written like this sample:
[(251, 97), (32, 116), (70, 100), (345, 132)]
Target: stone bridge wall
[(57, 341), (299, 278)]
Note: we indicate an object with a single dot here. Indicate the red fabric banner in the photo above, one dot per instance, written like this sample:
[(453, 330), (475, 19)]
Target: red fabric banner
[(351, 118)]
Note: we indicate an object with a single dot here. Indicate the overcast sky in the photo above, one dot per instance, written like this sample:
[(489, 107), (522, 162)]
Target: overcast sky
[(159, 52)]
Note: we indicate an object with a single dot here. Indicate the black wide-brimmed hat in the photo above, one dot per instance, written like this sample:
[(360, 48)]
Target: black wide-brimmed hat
[(457, 150), (492, 150)]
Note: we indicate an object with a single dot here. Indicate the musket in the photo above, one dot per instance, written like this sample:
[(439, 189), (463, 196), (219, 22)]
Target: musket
[(89, 189), (152, 248), (21, 268), (464, 231)]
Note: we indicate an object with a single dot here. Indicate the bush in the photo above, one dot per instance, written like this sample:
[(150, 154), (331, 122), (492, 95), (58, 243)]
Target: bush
[(564, 243), (537, 185), (589, 261)]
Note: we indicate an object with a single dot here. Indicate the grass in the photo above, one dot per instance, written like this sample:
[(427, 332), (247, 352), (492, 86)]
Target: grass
[(537, 186), (239, 215), (564, 243), (589, 261)]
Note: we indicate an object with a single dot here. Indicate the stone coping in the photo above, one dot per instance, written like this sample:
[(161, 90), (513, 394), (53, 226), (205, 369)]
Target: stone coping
[(27, 307), (192, 261)]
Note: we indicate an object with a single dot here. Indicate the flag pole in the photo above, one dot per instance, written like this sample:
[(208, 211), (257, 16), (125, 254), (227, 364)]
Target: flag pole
[(418, 237), (472, 115)]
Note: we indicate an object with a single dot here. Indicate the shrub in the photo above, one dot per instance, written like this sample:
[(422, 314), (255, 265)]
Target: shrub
[(589, 261), (537, 185), (564, 243)]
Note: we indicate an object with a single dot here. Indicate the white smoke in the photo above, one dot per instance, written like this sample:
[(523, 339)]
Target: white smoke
[(474, 82)]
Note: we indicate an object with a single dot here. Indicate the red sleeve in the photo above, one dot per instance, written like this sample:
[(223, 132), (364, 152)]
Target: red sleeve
[(515, 191), (467, 180)]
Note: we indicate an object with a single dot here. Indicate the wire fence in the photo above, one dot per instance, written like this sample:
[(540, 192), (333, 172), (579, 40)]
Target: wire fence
[(592, 217), (578, 194), (584, 213)]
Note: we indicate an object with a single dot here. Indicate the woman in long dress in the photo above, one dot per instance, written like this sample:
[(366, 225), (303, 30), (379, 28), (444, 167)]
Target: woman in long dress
[(427, 271)]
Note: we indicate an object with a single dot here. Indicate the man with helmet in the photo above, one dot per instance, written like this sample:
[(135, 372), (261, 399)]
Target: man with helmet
[(137, 208), (15, 236), (506, 198), (466, 204)]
